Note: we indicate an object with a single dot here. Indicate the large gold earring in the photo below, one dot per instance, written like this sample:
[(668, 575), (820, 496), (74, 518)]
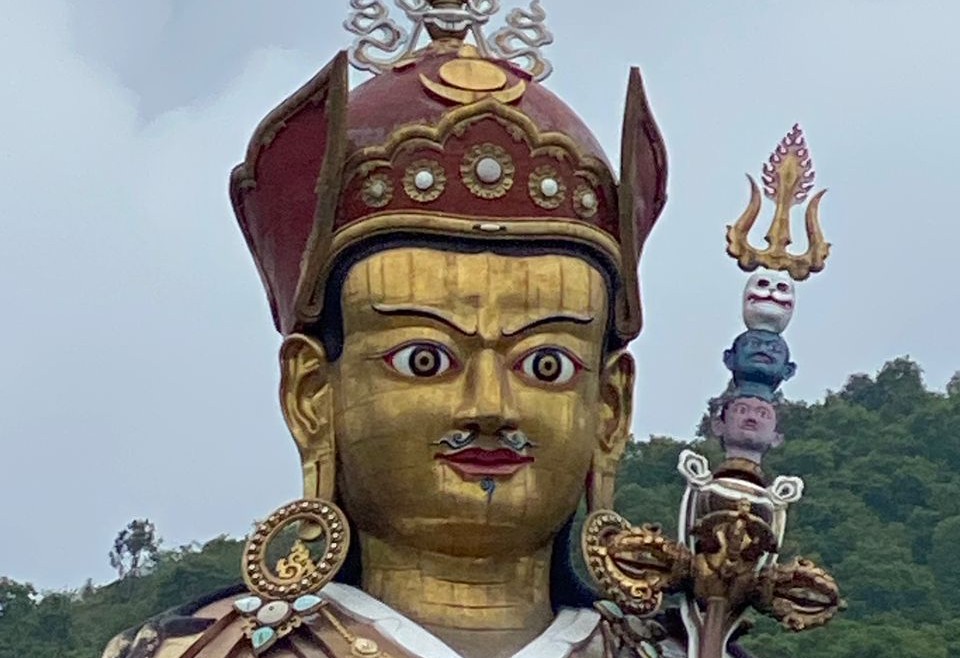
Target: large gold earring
[(319, 463), (306, 397), (617, 411), (318, 453), (284, 597), (602, 478)]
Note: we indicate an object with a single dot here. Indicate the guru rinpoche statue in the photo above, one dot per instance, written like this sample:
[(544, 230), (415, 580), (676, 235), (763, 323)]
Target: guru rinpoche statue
[(452, 263)]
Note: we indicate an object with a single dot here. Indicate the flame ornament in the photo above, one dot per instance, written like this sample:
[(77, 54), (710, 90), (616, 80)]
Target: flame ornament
[(788, 178)]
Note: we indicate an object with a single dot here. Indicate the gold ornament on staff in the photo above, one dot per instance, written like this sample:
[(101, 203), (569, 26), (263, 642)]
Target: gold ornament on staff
[(787, 180), (732, 520)]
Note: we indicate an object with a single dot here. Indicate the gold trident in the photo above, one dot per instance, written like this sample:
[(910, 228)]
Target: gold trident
[(787, 179)]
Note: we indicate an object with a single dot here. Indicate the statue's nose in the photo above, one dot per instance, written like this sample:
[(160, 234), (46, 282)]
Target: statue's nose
[(488, 404)]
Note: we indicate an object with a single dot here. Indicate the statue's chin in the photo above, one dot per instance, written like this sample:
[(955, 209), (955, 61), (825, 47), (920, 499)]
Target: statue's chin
[(465, 537), (448, 514), (749, 441)]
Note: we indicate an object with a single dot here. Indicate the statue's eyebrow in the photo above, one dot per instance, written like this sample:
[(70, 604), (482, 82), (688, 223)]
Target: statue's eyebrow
[(576, 318), (411, 310)]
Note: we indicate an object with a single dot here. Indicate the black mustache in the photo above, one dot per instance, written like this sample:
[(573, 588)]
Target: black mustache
[(514, 439)]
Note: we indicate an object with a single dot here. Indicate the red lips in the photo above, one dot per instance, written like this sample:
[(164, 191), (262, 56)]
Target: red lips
[(478, 463), (770, 298)]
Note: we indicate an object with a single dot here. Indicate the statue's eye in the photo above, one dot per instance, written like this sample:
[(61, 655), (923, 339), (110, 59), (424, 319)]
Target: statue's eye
[(420, 360), (783, 287), (549, 365), (763, 283)]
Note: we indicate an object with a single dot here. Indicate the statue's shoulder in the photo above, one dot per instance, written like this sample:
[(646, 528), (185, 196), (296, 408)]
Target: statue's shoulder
[(177, 632)]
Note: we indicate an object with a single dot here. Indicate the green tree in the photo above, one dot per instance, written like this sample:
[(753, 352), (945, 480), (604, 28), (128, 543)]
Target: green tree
[(136, 548), (945, 562), (881, 511)]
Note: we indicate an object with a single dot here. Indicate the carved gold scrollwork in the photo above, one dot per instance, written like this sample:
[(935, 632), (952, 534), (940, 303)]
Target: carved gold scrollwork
[(799, 595), (455, 122), (297, 573), (730, 544), (296, 564), (634, 566), (725, 565)]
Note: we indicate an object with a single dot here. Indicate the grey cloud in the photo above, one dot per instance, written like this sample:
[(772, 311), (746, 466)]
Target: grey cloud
[(139, 374)]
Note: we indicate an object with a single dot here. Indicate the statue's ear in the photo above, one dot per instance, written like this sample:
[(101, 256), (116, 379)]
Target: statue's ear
[(728, 359), (777, 440), (717, 426), (789, 370), (306, 398), (616, 392)]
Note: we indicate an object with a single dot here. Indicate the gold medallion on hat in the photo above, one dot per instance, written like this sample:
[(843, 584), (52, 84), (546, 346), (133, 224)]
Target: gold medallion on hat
[(469, 78), (473, 74)]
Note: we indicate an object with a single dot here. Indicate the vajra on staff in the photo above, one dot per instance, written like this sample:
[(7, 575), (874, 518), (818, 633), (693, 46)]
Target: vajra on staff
[(732, 520)]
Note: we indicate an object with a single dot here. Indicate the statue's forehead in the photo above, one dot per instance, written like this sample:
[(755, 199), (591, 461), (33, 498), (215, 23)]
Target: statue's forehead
[(764, 338), (752, 403), (478, 289)]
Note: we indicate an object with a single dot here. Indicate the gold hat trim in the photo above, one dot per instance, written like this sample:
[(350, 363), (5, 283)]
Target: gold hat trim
[(455, 123)]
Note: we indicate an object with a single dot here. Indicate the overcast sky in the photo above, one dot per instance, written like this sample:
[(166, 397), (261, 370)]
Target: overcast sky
[(137, 357)]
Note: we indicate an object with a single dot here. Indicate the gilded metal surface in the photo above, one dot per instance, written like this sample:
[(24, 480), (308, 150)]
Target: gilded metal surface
[(800, 595), (473, 74), (731, 543), (469, 173), (731, 531), (787, 180), (535, 185), (468, 79), (470, 398), (467, 96), (634, 566), (296, 574), (297, 564), (445, 352), (437, 178), (530, 229)]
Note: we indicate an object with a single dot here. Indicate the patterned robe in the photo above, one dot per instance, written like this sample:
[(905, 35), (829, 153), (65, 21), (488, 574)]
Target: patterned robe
[(352, 625)]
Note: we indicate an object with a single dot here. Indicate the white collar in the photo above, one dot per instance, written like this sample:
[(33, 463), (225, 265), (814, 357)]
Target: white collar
[(570, 628)]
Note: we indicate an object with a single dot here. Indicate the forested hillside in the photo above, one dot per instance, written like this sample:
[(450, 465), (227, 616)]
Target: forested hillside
[(881, 460)]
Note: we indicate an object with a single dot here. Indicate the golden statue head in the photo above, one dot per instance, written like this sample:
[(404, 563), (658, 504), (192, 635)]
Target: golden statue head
[(454, 268)]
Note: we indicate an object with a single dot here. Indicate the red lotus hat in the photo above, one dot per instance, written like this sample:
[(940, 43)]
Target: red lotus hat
[(453, 142)]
